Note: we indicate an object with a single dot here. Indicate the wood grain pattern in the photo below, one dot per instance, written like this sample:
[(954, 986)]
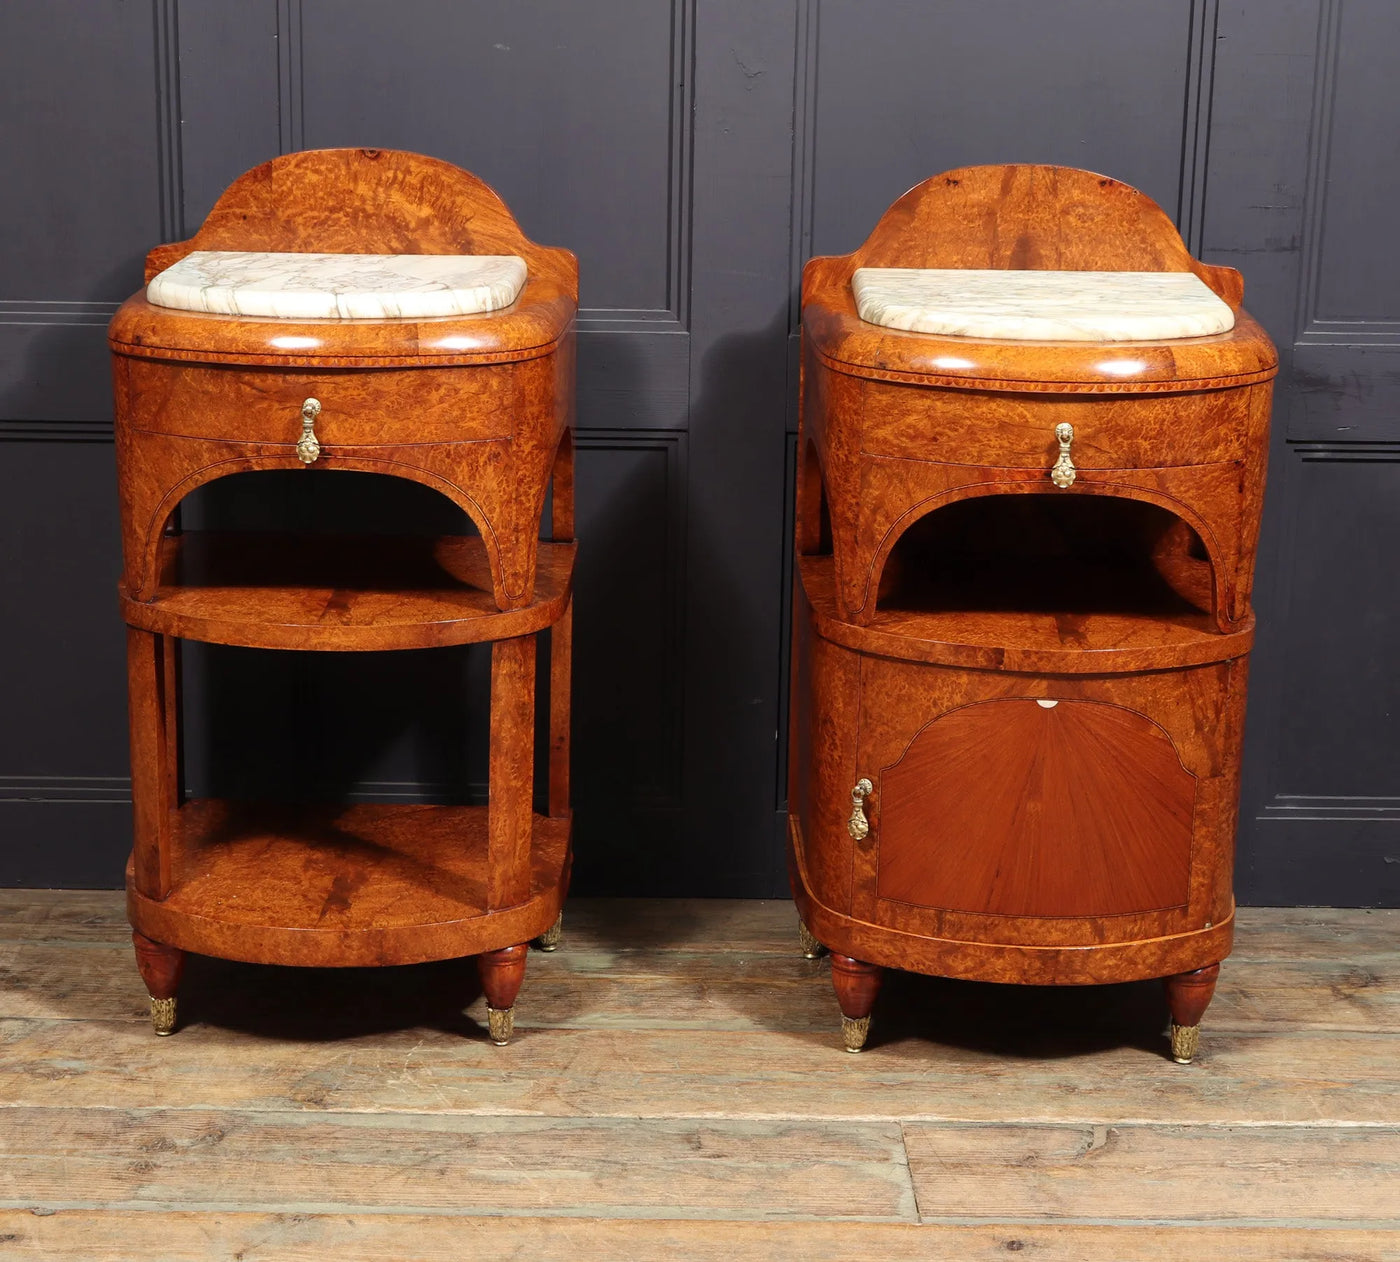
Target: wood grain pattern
[(1189, 994), (1036, 217), (341, 593), (358, 885), (401, 1048), (1135, 1173), (857, 985), (359, 201), (160, 966), (323, 1161), (285, 1122), (1010, 808), (202, 396), (479, 408), (759, 989), (955, 608), (118, 1235)]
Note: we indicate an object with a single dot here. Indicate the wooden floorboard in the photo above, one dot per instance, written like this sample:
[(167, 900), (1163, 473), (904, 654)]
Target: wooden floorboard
[(676, 1088), (1202, 1175), (217, 1236), (119, 1236)]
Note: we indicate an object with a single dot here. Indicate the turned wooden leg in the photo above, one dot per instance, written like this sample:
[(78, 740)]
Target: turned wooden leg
[(811, 948), (857, 983), (501, 974), (160, 967), (549, 939), (1189, 995)]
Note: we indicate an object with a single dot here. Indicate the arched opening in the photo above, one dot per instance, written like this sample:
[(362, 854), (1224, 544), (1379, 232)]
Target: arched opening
[(348, 502), (274, 724), (1049, 553)]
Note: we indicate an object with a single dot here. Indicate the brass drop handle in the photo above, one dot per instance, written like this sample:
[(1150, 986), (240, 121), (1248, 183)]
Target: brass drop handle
[(1062, 473), (858, 826), (308, 449)]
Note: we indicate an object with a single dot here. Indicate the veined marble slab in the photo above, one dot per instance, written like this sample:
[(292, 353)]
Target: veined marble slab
[(339, 286), (1034, 306)]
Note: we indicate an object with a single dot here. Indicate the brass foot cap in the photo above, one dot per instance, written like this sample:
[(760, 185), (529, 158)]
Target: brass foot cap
[(163, 1016), (501, 1024), (549, 939), (811, 948), (854, 1032), (1185, 1041)]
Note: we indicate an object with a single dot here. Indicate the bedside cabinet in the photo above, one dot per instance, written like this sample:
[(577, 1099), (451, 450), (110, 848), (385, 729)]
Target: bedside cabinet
[(1031, 458), (350, 310)]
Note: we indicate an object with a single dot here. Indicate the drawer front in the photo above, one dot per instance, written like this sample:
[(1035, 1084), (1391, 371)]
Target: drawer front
[(357, 407), (1019, 430)]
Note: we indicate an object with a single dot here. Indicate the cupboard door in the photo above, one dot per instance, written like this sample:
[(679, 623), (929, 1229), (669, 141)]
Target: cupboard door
[(1019, 807)]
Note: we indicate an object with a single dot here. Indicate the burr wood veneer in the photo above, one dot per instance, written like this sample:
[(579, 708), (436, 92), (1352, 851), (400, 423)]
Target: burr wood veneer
[(478, 407), (1017, 699)]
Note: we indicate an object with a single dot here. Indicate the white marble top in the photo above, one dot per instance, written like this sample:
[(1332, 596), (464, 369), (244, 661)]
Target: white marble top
[(1035, 306), (339, 286)]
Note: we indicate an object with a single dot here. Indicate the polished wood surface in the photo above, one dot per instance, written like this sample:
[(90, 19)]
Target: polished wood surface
[(1027, 217), (1008, 808), (502, 972), (1041, 683), (1189, 994), (857, 985), (161, 966), (896, 424), (359, 201), (341, 592), (480, 408), (1057, 642), (670, 1052), (361, 885), (202, 396)]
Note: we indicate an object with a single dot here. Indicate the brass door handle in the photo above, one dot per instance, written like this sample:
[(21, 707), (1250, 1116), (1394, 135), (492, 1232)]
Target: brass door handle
[(308, 449), (1063, 472), (858, 826)]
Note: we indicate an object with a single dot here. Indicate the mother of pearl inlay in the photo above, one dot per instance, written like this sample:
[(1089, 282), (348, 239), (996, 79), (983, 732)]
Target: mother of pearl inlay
[(339, 286), (1036, 306)]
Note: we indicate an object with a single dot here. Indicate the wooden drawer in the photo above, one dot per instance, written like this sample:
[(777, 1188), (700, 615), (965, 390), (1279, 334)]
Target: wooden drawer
[(1017, 430), (361, 407)]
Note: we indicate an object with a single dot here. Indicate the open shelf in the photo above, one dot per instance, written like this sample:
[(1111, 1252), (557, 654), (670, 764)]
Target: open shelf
[(352, 886), (1039, 583), (341, 592)]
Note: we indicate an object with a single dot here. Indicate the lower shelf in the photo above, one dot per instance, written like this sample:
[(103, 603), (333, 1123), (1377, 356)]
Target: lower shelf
[(344, 886)]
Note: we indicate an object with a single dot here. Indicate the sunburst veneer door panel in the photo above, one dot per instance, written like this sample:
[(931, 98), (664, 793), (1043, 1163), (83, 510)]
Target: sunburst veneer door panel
[(1020, 808)]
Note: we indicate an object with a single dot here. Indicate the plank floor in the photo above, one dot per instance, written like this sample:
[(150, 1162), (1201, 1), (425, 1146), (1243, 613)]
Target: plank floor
[(676, 1089)]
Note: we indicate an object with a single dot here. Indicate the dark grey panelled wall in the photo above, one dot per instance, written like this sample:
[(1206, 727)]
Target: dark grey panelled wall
[(693, 153)]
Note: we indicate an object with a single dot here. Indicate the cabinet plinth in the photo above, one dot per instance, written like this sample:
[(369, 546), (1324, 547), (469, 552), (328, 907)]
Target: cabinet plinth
[(478, 407), (1021, 618)]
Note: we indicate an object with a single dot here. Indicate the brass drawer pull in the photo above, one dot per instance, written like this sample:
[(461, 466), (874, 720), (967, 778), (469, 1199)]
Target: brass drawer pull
[(1063, 472), (858, 826), (308, 449)]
